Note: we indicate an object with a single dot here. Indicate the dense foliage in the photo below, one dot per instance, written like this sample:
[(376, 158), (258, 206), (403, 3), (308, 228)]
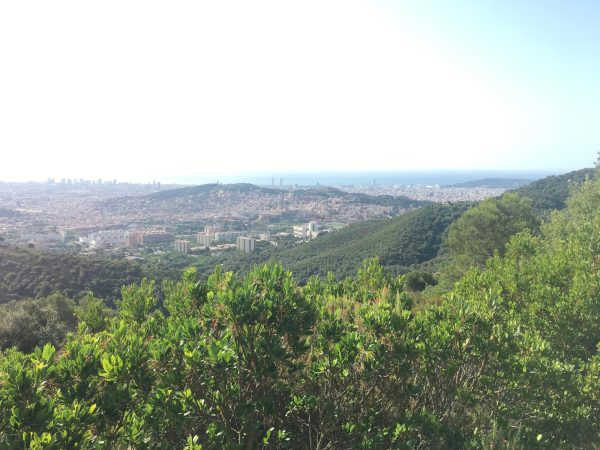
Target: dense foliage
[(30, 323), (28, 274), (508, 359), (418, 280), (487, 227), (552, 192)]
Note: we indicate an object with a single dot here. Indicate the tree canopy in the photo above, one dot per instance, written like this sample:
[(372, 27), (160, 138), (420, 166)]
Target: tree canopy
[(487, 227)]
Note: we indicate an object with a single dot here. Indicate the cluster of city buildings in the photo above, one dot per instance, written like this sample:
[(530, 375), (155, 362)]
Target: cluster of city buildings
[(213, 239), (105, 239), (433, 193), (212, 234), (85, 215), (182, 246), (306, 231), (45, 239), (245, 244)]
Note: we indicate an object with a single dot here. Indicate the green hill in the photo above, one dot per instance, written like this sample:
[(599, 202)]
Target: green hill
[(207, 189), (399, 243), (321, 192), (29, 274), (552, 192)]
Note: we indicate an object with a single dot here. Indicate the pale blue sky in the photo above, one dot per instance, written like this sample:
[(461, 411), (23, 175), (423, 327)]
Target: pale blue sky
[(141, 90), (551, 48), (547, 53)]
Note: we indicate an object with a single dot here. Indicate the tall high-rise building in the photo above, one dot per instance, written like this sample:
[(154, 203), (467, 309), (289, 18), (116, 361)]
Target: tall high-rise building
[(182, 246), (154, 237), (313, 230), (300, 231), (206, 238), (245, 244), (109, 238), (310, 231)]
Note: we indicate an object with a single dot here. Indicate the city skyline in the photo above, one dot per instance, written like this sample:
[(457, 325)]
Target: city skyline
[(312, 178)]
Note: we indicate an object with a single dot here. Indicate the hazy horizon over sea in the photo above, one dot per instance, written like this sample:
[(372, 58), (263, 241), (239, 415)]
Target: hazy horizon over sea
[(412, 177)]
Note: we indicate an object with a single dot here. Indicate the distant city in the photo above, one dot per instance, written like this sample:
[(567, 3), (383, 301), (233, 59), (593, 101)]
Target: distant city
[(129, 220), (349, 178)]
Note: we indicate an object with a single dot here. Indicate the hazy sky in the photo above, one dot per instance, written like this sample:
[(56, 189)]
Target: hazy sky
[(142, 90)]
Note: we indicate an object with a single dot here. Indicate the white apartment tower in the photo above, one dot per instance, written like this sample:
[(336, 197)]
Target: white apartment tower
[(246, 244), (182, 246)]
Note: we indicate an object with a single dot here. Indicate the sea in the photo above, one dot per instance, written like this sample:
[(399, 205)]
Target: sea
[(403, 178)]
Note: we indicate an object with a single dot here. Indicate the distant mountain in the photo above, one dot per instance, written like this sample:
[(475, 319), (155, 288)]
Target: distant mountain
[(209, 189), (320, 191), (246, 201), (214, 189), (493, 183), (552, 192)]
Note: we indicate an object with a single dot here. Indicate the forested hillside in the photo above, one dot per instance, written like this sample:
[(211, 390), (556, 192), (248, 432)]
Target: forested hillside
[(399, 243), (552, 192), (509, 358), (208, 189), (27, 273)]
